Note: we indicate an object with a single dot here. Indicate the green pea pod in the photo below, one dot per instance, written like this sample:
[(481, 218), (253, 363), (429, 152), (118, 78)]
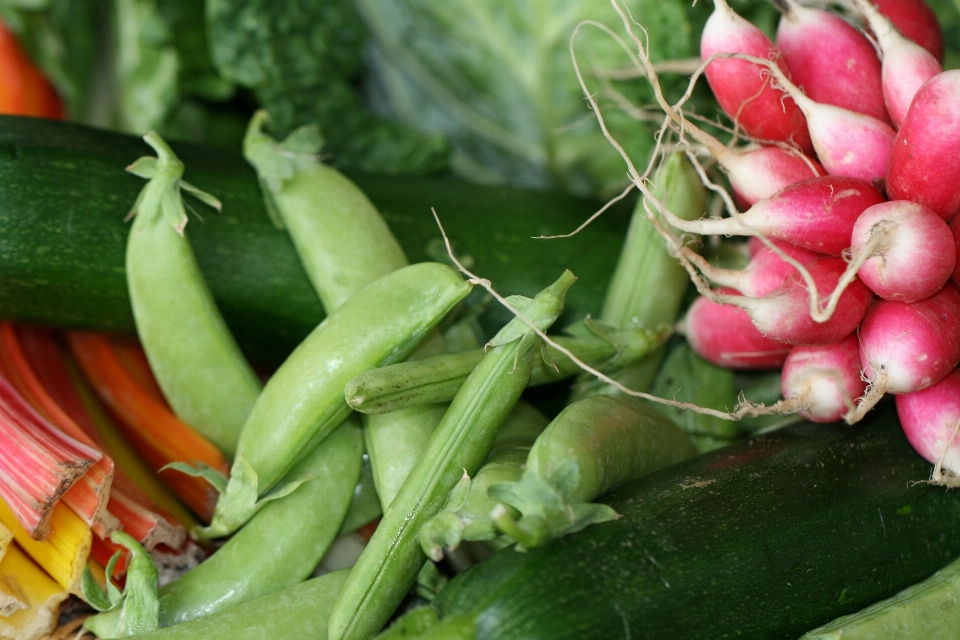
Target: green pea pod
[(134, 610), (466, 515), (295, 613), (192, 353), (281, 545), (648, 286), (343, 242), (593, 446), (303, 401), (437, 379), (389, 565), (365, 506)]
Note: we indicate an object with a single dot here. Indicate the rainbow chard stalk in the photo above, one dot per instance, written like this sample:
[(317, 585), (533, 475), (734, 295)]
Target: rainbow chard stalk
[(40, 462), (131, 611)]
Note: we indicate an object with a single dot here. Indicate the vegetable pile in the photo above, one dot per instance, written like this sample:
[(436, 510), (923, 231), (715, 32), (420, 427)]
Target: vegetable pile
[(329, 422)]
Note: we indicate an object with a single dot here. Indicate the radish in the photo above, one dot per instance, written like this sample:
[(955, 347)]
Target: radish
[(817, 214), (924, 164), (955, 231), (833, 62), (913, 250), (765, 273), (917, 21), (906, 347), (784, 315), (724, 335), (824, 381), (744, 91), (930, 419), (906, 65), (759, 173), (847, 143)]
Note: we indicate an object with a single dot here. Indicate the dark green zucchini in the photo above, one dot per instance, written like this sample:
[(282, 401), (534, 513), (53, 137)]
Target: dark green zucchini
[(64, 194), (766, 538)]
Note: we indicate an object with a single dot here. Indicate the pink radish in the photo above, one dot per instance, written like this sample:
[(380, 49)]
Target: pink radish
[(913, 251), (765, 273), (833, 62), (917, 21), (847, 143), (906, 65), (906, 347), (817, 214), (824, 380), (743, 90), (924, 164), (759, 173), (930, 418), (724, 335), (955, 231), (784, 315)]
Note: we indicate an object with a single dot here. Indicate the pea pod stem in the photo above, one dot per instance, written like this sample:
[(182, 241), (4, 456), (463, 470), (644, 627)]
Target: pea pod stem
[(303, 401), (438, 378), (466, 514), (593, 446), (192, 353), (389, 565)]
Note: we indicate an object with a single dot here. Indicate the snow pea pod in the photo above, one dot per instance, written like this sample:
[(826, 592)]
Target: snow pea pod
[(593, 446), (436, 379), (303, 401), (342, 240), (389, 565), (192, 353), (280, 546), (292, 614)]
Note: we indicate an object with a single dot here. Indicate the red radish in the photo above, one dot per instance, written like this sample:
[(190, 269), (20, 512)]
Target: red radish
[(765, 273), (833, 62), (825, 380), (930, 419), (743, 90), (724, 335), (847, 143), (906, 65), (924, 164), (913, 251), (917, 21), (759, 173), (955, 230), (817, 214), (784, 315), (906, 347)]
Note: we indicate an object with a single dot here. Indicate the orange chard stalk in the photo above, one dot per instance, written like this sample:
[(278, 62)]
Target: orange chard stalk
[(157, 435), (89, 496), (39, 464), (25, 91)]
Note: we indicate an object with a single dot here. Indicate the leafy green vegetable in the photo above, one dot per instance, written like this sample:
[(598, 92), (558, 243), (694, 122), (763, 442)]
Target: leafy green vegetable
[(499, 79), (302, 60)]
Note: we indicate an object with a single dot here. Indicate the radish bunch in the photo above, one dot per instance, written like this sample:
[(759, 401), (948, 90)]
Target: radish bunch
[(852, 285)]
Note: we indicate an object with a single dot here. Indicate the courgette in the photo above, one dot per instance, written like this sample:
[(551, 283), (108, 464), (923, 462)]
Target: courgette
[(766, 538), (64, 195)]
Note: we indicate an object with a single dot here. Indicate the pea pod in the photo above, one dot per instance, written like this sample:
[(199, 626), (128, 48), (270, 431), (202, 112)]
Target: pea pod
[(303, 401), (389, 565), (593, 446), (193, 355), (648, 285), (341, 239), (466, 515), (436, 379), (292, 614), (133, 610), (280, 546)]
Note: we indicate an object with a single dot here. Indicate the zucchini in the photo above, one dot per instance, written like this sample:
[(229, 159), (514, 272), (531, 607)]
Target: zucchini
[(64, 195), (766, 538)]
